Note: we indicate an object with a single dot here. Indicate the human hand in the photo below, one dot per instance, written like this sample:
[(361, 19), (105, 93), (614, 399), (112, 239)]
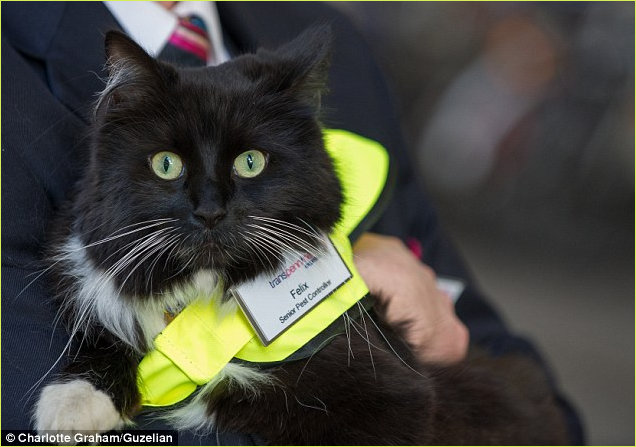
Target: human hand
[(409, 292)]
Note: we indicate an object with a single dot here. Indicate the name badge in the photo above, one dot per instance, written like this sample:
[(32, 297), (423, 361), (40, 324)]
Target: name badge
[(274, 302)]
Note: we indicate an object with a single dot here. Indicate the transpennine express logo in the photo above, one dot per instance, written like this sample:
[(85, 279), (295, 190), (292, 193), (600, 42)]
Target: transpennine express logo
[(304, 261)]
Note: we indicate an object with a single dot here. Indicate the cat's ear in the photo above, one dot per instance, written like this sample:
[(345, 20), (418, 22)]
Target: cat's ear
[(299, 67), (132, 73), (307, 59)]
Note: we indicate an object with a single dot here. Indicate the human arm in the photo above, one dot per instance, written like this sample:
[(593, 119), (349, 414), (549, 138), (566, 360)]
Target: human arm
[(408, 293)]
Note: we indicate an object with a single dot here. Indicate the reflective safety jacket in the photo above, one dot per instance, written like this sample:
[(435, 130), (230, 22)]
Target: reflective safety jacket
[(201, 340)]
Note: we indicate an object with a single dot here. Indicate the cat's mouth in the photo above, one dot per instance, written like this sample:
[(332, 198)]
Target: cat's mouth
[(215, 251), (212, 246)]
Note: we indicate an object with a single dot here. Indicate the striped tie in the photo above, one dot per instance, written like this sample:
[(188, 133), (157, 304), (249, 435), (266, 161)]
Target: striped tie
[(189, 45)]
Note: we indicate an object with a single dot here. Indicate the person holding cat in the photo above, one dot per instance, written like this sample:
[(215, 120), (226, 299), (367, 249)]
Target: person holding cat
[(47, 80)]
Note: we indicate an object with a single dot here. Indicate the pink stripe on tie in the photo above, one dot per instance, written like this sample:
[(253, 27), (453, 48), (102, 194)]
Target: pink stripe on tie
[(186, 45), (193, 28), (192, 37)]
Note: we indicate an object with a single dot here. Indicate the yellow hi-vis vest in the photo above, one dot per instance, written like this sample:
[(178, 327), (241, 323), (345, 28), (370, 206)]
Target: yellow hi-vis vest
[(201, 339)]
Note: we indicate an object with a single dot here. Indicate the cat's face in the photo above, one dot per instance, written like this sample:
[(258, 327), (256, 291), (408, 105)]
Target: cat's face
[(215, 168)]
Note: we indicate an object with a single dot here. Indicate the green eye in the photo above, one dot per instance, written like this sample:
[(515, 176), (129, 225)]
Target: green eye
[(166, 165), (249, 164)]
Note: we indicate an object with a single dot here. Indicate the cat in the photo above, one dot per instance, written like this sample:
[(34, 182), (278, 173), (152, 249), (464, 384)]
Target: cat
[(183, 163)]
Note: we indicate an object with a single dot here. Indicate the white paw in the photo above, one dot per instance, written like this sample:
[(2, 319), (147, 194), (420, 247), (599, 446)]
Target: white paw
[(76, 406)]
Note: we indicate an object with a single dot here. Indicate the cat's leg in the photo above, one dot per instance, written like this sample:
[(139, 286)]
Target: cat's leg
[(96, 392)]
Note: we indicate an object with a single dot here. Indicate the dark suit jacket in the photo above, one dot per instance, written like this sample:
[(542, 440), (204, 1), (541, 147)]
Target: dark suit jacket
[(53, 59)]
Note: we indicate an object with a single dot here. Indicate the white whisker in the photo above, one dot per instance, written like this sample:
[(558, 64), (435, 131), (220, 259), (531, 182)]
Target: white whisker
[(291, 239), (279, 243), (387, 341), (369, 345), (313, 233), (257, 251)]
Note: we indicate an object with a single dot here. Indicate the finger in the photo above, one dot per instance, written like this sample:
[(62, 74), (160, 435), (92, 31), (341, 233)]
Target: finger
[(448, 345)]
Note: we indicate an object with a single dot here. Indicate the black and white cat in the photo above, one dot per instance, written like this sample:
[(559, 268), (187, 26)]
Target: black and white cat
[(185, 163)]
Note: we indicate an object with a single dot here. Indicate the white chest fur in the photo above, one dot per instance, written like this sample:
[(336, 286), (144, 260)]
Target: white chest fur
[(96, 298)]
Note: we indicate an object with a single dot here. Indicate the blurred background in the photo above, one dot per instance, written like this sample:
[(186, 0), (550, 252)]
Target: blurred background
[(521, 119)]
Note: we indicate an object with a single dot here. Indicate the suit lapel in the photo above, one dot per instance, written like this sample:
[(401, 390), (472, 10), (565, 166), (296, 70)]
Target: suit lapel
[(75, 59), (80, 39)]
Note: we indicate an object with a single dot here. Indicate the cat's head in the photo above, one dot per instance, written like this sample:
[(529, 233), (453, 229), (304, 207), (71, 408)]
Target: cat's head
[(218, 168)]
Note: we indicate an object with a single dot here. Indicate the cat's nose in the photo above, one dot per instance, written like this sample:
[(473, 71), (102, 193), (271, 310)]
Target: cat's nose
[(209, 216)]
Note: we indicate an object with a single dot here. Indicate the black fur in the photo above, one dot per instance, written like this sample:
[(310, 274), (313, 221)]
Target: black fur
[(353, 394), (209, 116), (354, 391)]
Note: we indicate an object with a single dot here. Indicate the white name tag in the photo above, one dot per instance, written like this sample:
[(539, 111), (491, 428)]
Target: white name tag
[(273, 302)]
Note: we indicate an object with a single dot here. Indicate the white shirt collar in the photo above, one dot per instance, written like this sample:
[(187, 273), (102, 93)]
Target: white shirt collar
[(151, 26)]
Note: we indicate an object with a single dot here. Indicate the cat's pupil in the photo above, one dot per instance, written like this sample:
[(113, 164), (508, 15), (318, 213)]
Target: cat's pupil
[(250, 161), (166, 164)]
